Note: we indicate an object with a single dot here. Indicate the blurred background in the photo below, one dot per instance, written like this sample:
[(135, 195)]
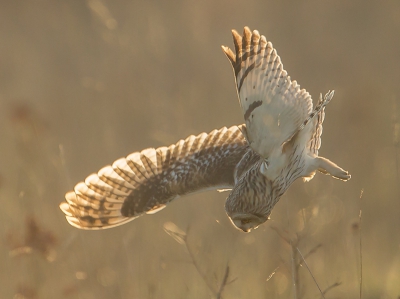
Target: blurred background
[(83, 83)]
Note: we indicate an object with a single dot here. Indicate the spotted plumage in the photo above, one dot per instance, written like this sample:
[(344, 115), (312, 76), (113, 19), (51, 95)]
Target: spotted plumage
[(259, 160)]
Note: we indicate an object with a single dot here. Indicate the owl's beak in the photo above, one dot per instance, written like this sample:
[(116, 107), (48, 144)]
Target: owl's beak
[(246, 221)]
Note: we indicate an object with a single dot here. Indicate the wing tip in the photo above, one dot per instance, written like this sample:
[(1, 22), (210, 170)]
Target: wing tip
[(229, 53), (89, 216)]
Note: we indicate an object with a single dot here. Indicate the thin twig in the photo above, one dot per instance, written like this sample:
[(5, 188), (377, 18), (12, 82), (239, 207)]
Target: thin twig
[(396, 140), (313, 250), (182, 238), (293, 245), (196, 265), (278, 231), (232, 281), (336, 284), (295, 272), (397, 170), (361, 268), (305, 263), (224, 283), (272, 274), (294, 276)]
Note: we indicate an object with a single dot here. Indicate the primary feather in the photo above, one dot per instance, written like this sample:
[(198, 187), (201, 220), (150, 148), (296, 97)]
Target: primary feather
[(144, 182)]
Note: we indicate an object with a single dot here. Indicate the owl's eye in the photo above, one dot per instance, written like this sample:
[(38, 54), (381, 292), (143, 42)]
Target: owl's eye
[(245, 221)]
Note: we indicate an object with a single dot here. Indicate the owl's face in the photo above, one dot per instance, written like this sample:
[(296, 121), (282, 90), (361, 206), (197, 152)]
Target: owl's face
[(251, 200), (247, 221), (247, 208)]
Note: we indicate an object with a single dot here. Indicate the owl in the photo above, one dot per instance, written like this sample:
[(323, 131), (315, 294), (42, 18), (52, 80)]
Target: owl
[(257, 161)]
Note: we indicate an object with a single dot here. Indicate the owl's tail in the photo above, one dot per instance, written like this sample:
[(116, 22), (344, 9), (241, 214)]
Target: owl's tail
[(323, 101)]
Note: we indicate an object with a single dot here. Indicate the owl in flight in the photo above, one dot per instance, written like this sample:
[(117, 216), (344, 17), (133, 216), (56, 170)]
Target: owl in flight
[(258, 160)]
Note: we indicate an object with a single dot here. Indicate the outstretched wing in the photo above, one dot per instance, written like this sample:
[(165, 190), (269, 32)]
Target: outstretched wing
[(274, 107), (144, 182)]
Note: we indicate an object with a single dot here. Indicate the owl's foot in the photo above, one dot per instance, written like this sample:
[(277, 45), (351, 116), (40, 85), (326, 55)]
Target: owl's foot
[(326, 166)]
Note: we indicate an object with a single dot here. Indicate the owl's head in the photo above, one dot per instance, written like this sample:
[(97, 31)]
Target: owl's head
[(250, 202)]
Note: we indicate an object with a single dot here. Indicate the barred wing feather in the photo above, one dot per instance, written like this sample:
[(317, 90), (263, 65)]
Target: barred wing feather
[(145, 182), (274, 107)]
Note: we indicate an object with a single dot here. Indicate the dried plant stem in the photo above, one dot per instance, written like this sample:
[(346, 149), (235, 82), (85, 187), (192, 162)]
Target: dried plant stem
[(295, 272), (396, 140), (312, 251), (336, 284), (305, 263), (295, 276), (397, 169), (298, 260), (361, 259), (224, 282), (196, 265), (217, 294)]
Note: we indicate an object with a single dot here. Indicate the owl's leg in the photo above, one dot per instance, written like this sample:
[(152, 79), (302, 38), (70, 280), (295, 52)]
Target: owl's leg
[(326, 166)]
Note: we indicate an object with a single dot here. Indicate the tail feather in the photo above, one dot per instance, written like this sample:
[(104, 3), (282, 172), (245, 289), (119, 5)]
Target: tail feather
[(314, 143), (321, 105)]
